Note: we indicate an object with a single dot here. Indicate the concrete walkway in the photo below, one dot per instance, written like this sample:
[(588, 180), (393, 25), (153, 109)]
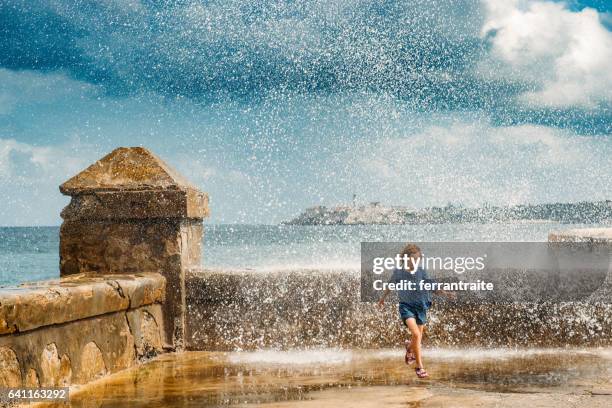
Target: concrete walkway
[(365, 378)]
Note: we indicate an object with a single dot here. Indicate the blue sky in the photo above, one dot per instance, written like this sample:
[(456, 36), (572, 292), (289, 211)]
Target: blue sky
[(273, 106)]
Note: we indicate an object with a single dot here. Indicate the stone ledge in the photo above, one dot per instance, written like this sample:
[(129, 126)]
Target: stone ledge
[(144, 204), (596, 235), (33, 305), (81, 351)]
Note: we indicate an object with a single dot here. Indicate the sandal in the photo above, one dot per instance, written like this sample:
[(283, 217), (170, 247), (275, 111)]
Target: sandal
[(409, 358), (421, 373)]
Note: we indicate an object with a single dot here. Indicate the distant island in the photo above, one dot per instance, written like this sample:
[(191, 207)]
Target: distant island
[(375, 213)]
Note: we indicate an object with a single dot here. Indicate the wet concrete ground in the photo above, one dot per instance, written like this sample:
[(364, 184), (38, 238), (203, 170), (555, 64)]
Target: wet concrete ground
[(364, 378)]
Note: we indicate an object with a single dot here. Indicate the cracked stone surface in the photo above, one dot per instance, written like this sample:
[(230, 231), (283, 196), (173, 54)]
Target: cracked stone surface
[(10, 375), (56, 371), (146, 329), (63, 354), (75, 329), (30, 306), (31, 379), (92, 362), (50, 365)]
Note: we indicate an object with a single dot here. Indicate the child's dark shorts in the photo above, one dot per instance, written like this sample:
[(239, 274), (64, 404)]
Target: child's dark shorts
[(407, 311)]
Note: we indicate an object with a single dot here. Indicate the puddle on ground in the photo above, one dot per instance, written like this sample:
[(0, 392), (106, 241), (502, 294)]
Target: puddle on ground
[(337, 378)]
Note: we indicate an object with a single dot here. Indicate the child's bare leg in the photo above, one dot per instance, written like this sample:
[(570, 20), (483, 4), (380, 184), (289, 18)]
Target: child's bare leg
[(416, 333), (422, 328)]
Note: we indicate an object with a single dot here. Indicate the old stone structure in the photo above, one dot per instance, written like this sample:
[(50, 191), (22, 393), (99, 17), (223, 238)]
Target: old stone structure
[(600, 237), (131, 213), (131, 231), (76, 329)]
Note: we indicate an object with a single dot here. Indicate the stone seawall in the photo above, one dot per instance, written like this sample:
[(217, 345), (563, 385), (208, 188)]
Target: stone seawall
[(132, 228), (78, 328), (245, 310)]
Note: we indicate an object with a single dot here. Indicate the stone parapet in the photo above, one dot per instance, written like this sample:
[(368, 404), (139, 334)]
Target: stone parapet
[(130, 213), (132, 229), (595, 235), (601, 237), (76, 329), (31, 306), (230, 310)]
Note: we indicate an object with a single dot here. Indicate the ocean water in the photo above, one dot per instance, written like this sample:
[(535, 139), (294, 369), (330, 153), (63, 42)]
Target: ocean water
[(32, 253)]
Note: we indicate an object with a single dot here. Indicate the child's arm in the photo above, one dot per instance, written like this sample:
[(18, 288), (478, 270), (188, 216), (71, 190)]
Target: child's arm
[(447, 294), (381, 302), (440, 292)]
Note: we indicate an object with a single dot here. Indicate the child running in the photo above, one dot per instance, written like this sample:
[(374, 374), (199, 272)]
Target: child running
[(413, 305)]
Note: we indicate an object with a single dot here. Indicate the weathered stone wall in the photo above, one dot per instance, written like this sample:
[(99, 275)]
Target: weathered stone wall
[(79, 328), (130, 212), (237, 310), (162, 246), (243, 310), (131, 230), (246, 310), (590, 236)]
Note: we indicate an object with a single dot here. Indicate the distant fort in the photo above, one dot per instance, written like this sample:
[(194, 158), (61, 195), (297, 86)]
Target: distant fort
[(376, 213)]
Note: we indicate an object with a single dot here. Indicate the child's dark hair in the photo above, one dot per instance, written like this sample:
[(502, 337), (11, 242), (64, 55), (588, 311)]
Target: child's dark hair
[(410, 249)]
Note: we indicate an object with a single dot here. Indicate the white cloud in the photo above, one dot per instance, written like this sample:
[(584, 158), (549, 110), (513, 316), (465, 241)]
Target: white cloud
[(30, 87), (29, 180), (203, 174), (25, 164), (10, 150), (483, 163), (566, 54)]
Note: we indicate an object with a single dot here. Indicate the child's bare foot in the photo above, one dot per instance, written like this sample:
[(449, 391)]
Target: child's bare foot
[(409, 358), (421, 373)]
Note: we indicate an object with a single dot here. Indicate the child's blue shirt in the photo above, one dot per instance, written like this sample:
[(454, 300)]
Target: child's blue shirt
[(417, 297)]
